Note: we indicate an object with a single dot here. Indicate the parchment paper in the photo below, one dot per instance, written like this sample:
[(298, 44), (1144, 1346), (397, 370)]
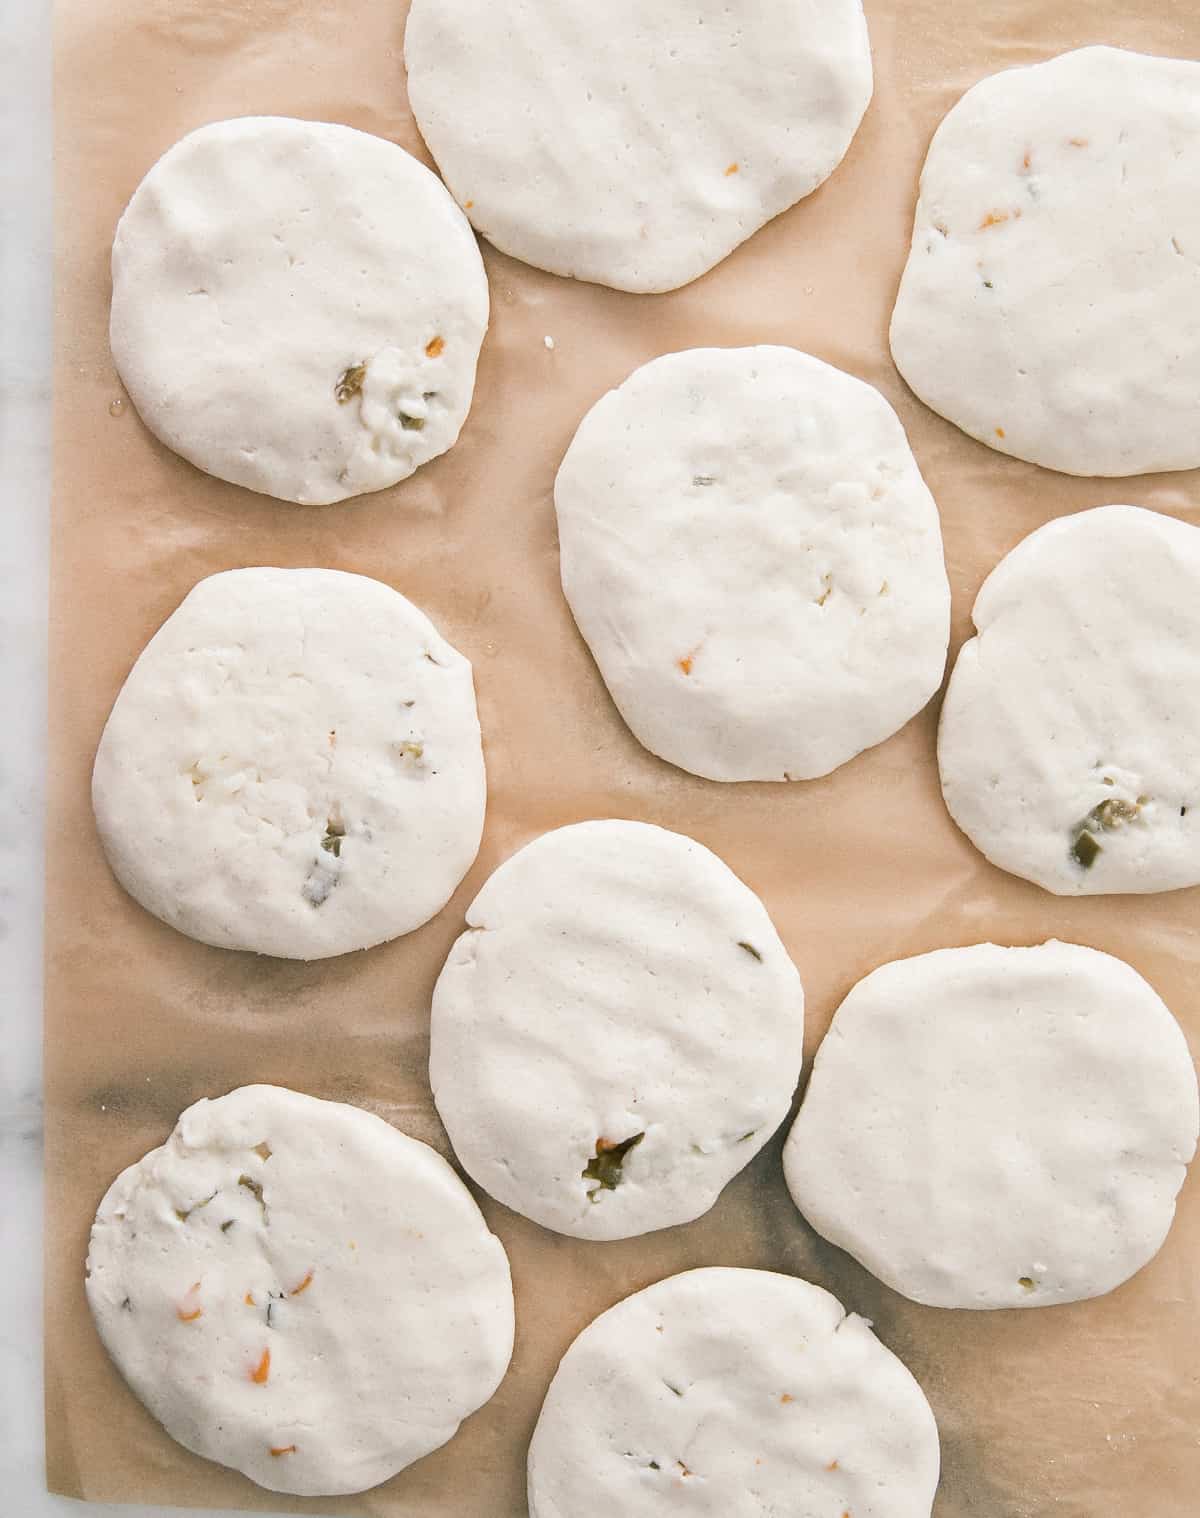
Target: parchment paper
[(1078, 1411)]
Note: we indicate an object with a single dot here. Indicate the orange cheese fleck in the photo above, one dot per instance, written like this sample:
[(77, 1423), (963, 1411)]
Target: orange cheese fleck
[(999, 431), (186, 1313), (685, 664), (303, 1286), (832, 1466), (787, 1397), (732, 169), (998, 218), (1027, 161), (1078, 142), (283, 1449), (434, 346), (262, 1370), (249, 1299), (467, 204)]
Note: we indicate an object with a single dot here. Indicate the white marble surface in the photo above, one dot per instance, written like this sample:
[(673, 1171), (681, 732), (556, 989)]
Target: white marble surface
[(25, 306)]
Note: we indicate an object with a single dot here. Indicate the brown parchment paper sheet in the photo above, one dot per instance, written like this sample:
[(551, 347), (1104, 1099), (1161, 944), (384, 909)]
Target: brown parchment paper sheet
[(1077, 1411)]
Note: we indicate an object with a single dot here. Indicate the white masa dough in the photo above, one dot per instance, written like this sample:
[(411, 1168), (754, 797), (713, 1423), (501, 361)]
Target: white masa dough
[(725, 1393), (1070, 729), (297, 307), (293, 766), (995, 1127), (634, 144), (619, 1005), (1051, 302), (299, 1291), (755, 562)]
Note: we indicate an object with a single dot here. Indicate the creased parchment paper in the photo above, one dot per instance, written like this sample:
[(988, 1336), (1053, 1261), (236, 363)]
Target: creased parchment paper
[(1090, 1411)]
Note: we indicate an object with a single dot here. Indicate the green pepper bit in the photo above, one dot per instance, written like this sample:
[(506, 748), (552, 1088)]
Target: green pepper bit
[(1085, 850), (1112, 813), (253, 1187), (605, 1164), (350, 383), (335, 831), (1108, 816)]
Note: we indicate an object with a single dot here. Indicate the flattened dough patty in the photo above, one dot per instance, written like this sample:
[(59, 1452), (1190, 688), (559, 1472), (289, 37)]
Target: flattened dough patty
[(293, 766), (297, 1290), (1051, 303), (994, 1127), (617, 1033), (297, 308), (755, 562), (641, 143), (1070, 730), (736, 1393)]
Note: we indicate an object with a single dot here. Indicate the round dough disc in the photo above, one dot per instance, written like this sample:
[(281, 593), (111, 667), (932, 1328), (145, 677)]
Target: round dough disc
[(1051, 303), (297, 308), (993, 1127), (293, 766), (1069, 737), (755, 562), (733, 1392), (640, 143), (296, 1290), (618, 1032)]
